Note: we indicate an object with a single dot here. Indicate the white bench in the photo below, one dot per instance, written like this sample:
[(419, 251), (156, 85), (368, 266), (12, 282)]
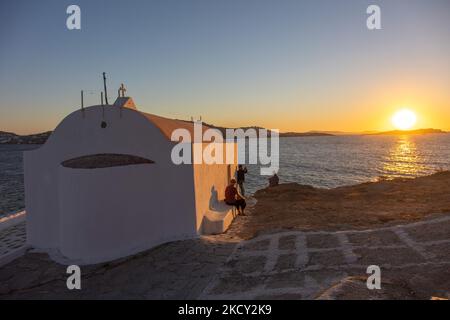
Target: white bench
[(218, 218)]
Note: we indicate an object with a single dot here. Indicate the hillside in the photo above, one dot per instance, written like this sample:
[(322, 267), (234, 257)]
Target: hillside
[(306, 134), (40, 138), (282, 134), (403, 132), (12, 138)]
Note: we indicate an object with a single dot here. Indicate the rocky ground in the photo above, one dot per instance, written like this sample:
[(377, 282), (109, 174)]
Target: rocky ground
[(367, 205), (316, 244)]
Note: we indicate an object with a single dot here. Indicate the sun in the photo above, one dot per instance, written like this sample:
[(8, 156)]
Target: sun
[(404, 119)]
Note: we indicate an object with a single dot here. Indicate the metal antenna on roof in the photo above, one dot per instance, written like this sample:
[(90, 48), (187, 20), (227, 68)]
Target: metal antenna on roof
[(104, 85), (103, 107), (82, 103)]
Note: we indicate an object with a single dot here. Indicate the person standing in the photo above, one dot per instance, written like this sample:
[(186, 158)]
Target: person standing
[(240, 176)]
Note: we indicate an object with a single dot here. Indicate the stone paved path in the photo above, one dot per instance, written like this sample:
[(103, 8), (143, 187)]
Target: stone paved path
[(305, 264), (414, 259)]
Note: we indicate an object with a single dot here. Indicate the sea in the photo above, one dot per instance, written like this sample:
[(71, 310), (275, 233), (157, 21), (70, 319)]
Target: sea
[(320, 161)]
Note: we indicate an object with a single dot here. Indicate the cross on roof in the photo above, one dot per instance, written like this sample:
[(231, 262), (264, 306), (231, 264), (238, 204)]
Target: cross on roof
[(122, 90)]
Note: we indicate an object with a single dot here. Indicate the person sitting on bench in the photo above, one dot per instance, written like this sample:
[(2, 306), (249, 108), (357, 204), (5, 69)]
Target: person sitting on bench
[(234, 198)]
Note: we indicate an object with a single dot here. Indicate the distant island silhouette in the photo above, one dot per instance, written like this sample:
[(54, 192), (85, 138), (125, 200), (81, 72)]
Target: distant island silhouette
[(403, 132), (12, 138), (40, 138)]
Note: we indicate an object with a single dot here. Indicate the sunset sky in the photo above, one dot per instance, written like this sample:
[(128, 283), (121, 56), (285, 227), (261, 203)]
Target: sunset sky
[(290, 65)]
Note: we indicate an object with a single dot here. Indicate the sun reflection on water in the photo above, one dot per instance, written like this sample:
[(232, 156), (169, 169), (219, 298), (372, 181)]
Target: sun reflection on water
[(403, 159)]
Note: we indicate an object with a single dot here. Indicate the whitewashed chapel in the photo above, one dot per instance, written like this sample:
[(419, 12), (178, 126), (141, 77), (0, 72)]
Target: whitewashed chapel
[(103, 186)]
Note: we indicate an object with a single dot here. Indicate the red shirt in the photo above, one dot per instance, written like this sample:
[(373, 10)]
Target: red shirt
[(230, 194)]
